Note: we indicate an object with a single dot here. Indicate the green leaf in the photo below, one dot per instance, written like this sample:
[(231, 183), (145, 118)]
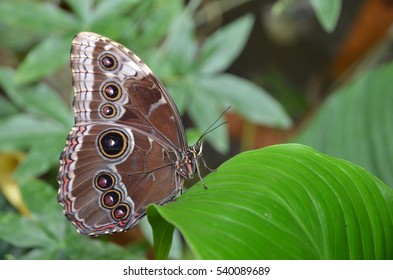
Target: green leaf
[(354, 123), (78, 247), (15, 40), (154, 28), (177, 92), (180, 45), (286, 202), (221, 49), (327, 12), (203, 112), (41, 201), (176, 250), (45, 225), (24, 130), (6, 108), (44, 100), (38, 98), (42, 156), (193, 134), (21, 231), (162, 238), (7, 82), (44, 59), (50, 235), (246, 98), (47, 253), (82, 8), (117, 8), (37, 16)]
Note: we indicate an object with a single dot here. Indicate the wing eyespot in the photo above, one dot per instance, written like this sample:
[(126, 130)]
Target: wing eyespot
[(111, 91), (121, 212), (112, 143), (108, 62), (110, 199), (104, 181), (108, 111)]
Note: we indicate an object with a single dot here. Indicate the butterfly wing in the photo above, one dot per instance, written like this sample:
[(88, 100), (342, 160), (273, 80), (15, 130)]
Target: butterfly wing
[(120, 156)]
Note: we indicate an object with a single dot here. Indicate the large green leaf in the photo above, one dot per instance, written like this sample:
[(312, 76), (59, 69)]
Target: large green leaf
[(355, 123), (162, 234), (285, 202)]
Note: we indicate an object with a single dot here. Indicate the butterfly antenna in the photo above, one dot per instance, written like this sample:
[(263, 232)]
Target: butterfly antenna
[(213, 126)]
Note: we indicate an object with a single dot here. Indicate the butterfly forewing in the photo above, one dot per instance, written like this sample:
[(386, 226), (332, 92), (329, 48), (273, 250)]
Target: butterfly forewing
[(121, 155)]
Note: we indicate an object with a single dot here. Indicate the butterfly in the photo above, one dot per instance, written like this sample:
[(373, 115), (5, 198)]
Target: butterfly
[(128, 147)]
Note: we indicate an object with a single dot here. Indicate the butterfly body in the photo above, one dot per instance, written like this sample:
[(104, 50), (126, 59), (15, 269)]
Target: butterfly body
[(128, 147)]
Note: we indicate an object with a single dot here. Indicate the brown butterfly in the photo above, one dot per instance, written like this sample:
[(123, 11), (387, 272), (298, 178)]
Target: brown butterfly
[(128, 147)]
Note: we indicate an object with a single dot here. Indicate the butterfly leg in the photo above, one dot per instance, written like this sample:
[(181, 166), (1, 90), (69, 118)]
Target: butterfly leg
[(206, 166), (199, 174)]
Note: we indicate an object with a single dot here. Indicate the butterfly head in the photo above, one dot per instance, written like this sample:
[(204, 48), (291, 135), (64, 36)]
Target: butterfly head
[(189, 163), (196, 149), (187, 166)]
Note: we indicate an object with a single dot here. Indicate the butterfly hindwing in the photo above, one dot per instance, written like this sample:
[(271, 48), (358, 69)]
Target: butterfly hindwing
[(121, 154)]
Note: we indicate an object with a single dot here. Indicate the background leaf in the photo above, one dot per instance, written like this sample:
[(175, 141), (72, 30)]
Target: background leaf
[(6, 108), (13, 230), (39, 197), (286, 202), (24, 130), (220, 50), (102, 8), (355, 123), (41, 17), (42, 156), (180, 45), (246, 98), (327, 12), (81, 8), (49, 235), (204, 114), (39, 98), (52, 52)]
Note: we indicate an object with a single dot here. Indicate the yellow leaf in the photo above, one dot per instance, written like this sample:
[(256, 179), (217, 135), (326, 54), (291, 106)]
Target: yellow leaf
[(8, 185)]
